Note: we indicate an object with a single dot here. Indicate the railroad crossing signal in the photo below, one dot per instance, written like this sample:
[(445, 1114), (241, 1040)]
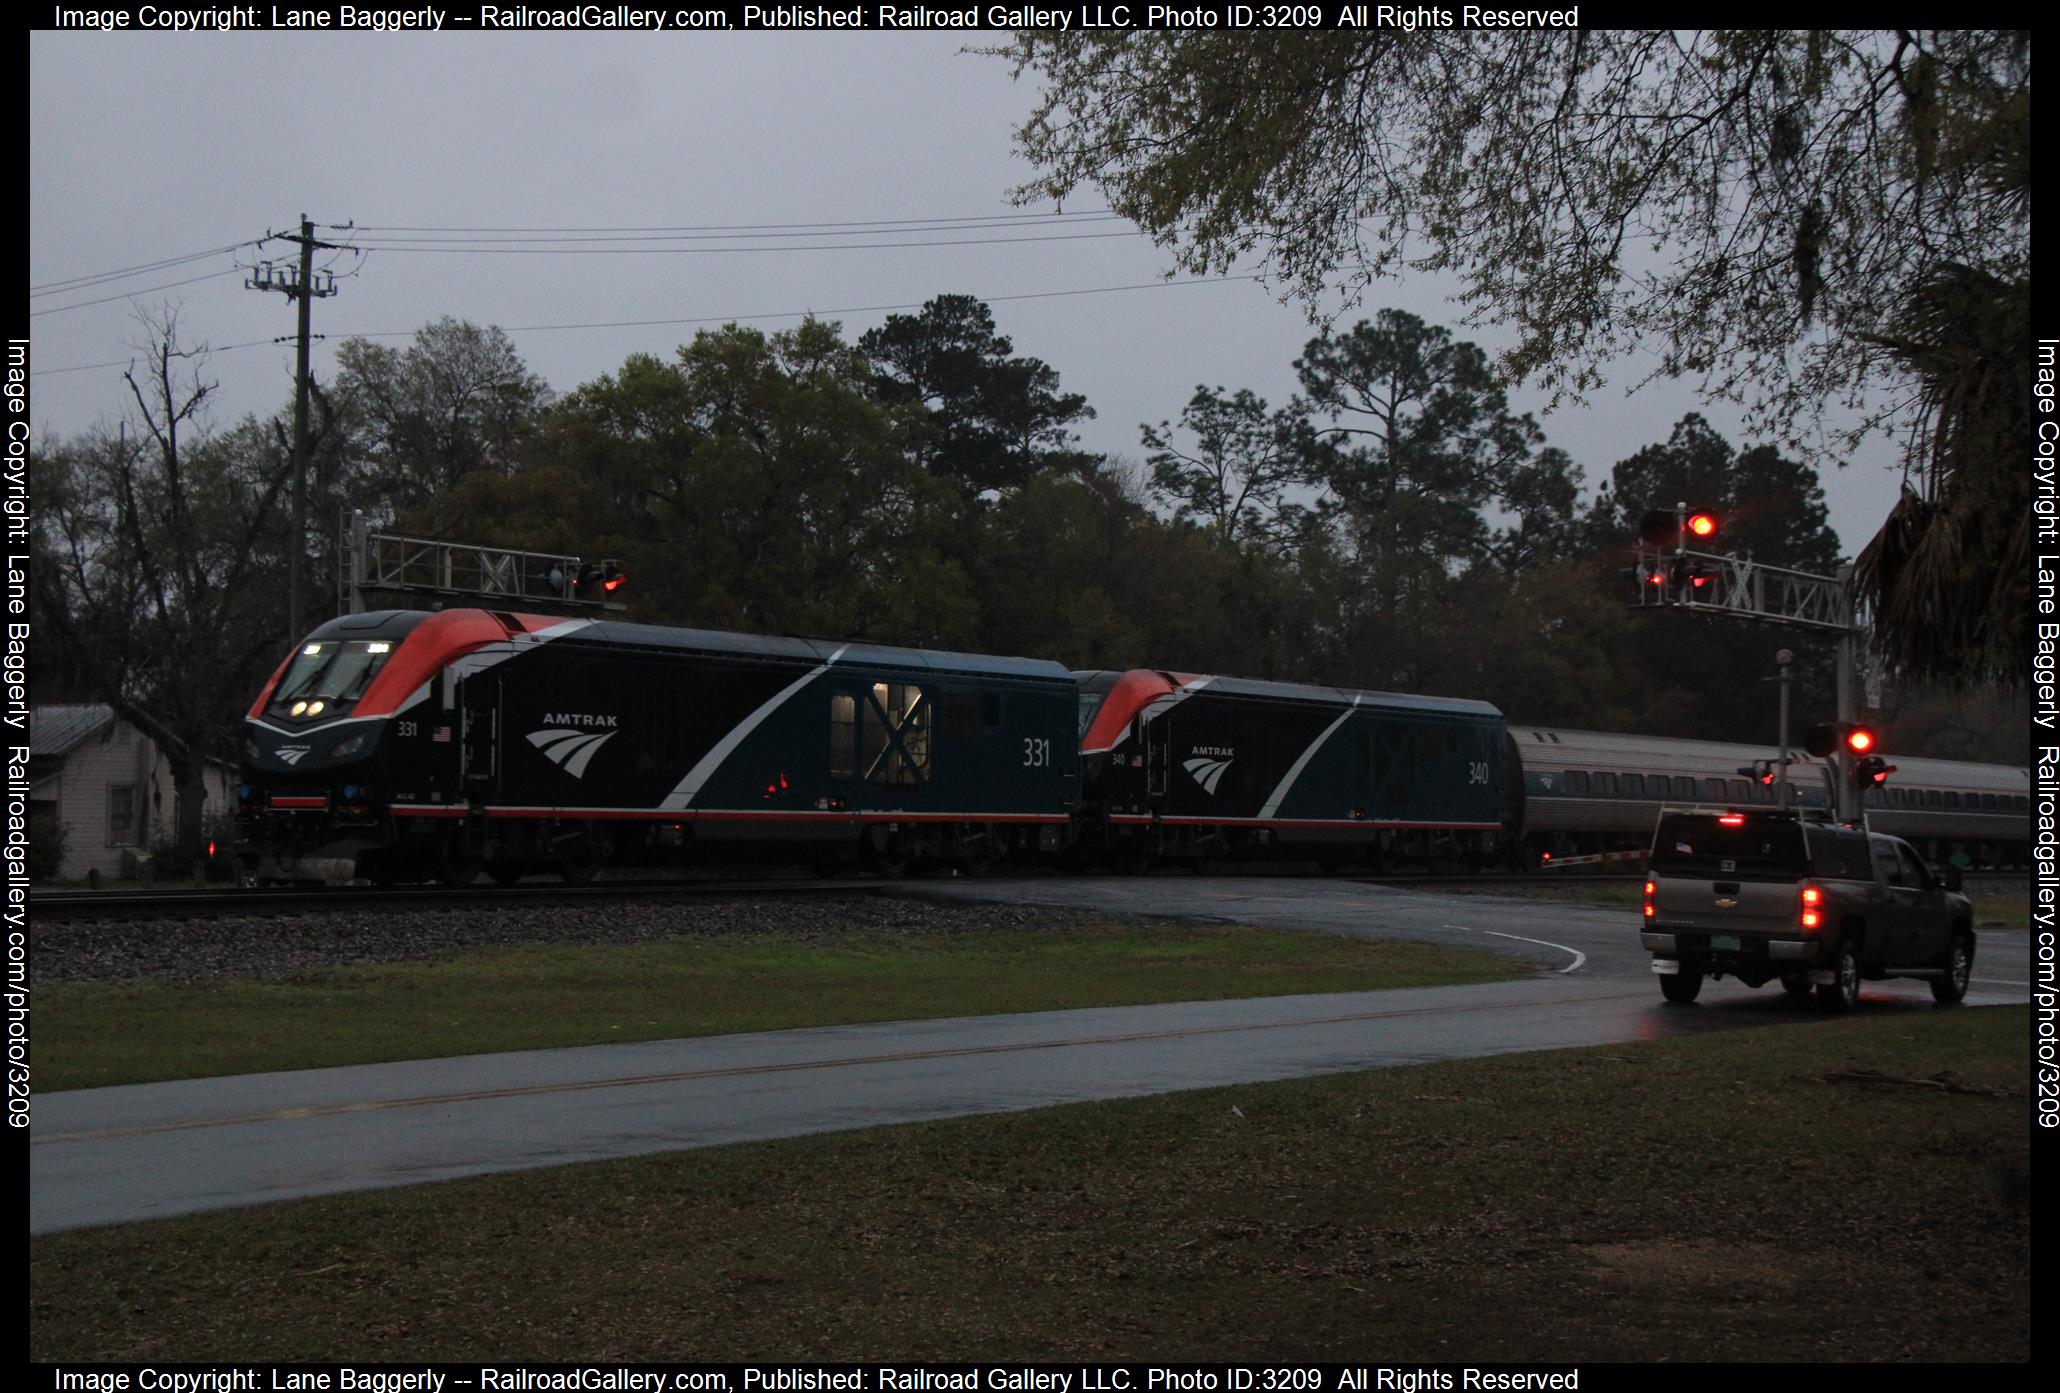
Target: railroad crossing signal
[(1871, 772), (1673, 527), (1832, 737)]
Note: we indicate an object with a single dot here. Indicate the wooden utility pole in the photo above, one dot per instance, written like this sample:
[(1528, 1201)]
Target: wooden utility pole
[(302, 285)]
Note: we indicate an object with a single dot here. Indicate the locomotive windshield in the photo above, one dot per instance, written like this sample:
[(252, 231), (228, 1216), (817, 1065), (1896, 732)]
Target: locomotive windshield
[(330, 674)]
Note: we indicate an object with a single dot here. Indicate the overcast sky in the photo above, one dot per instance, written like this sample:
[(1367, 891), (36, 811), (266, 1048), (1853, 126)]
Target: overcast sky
[(146, 147)]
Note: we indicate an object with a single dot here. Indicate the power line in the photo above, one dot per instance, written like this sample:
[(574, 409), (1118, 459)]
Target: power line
[(1085, 215), (712, 318), (132, 294), (84, 282), (452, 248), (654, 236)]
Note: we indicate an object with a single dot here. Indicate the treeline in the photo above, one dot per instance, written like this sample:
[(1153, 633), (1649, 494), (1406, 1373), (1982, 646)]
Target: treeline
[(1394, 526)]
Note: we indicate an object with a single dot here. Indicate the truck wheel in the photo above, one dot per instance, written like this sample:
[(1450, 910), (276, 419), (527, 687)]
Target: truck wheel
[(1681, 987), (1959, 967), (1843, 994)]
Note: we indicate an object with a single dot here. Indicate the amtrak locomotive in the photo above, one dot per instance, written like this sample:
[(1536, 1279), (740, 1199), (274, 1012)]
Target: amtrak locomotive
[(409, 745)]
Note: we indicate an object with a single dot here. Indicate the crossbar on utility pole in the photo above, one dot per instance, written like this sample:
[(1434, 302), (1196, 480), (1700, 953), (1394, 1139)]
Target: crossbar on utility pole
[(303, 287)]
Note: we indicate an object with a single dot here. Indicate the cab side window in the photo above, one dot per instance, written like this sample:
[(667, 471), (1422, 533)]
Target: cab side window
[(1886, 861)]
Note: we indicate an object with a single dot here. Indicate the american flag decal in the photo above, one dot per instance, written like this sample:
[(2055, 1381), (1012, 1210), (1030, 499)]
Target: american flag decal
[(441, 735)]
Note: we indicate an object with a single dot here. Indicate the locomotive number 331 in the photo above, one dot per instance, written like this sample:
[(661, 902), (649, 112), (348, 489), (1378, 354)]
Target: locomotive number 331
[(1036, 753)]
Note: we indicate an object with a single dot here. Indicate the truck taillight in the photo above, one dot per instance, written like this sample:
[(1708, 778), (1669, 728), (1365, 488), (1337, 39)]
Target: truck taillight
[(1649, 888), (1812, 907)]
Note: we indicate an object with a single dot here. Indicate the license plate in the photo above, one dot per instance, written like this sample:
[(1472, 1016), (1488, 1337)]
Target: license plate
[(1724, 942)]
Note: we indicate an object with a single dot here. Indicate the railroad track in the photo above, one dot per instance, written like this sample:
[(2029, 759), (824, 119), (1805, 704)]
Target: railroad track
[(191, 903), (187, 902), (210, 902)]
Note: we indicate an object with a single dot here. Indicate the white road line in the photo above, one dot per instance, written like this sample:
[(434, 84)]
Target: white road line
[(1579, 956)]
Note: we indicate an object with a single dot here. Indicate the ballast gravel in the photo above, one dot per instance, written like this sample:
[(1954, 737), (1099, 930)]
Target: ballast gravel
[(291, 945)]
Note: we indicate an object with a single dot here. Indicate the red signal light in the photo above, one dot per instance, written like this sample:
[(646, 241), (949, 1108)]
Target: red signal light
[(1859, 740), (1702, 525), (1731, 820)]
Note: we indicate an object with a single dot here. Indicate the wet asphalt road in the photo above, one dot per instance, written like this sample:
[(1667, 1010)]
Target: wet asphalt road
[(113, 1155)]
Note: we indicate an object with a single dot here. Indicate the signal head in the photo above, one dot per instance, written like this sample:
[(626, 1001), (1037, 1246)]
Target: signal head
[(1859, 739), (1660, 527), (1702, 525)]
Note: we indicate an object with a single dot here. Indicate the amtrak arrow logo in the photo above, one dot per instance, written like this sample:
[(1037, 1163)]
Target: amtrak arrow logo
[(570, 750), (292, 753), (1207, 772)]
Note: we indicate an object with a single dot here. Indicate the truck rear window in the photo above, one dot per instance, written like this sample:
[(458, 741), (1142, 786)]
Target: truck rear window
[(1699, 844)]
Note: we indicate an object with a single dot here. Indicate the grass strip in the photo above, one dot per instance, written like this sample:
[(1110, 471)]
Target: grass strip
[(1739, 1195), (545, 996)]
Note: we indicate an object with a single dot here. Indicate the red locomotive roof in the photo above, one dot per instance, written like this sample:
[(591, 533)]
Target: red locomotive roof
[(1134, 690), (428, 648)]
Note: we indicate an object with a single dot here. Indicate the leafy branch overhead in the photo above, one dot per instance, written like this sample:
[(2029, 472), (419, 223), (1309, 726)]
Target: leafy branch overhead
[(1764, 212), (1743, 203)]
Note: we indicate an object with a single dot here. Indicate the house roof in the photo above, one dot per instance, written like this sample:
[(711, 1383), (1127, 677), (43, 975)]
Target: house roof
[(53, 730)]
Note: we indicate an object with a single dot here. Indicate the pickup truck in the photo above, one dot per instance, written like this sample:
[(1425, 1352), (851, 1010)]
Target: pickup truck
[(1765, 896)]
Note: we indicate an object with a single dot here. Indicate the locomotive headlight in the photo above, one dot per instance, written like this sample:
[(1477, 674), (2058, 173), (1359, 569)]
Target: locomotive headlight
[(344, 749), (315, 708), (299, 708)]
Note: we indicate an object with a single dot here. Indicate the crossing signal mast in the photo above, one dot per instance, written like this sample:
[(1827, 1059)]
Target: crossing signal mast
[(1673, 573), (1856, 744)]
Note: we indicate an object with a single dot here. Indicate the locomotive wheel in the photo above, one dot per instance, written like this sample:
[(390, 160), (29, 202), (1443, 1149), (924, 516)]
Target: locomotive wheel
[(580, 869), (458, 869), (506, 872)]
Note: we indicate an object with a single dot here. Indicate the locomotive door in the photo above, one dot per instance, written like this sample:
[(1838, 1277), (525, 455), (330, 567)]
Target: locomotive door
[(479, 730), (1158, 758)]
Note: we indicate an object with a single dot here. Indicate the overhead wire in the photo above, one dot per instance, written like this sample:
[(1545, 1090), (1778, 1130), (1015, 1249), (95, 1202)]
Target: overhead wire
[(715, 318), (491, 249), (132, 294), (997, 219), (59, 287)]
